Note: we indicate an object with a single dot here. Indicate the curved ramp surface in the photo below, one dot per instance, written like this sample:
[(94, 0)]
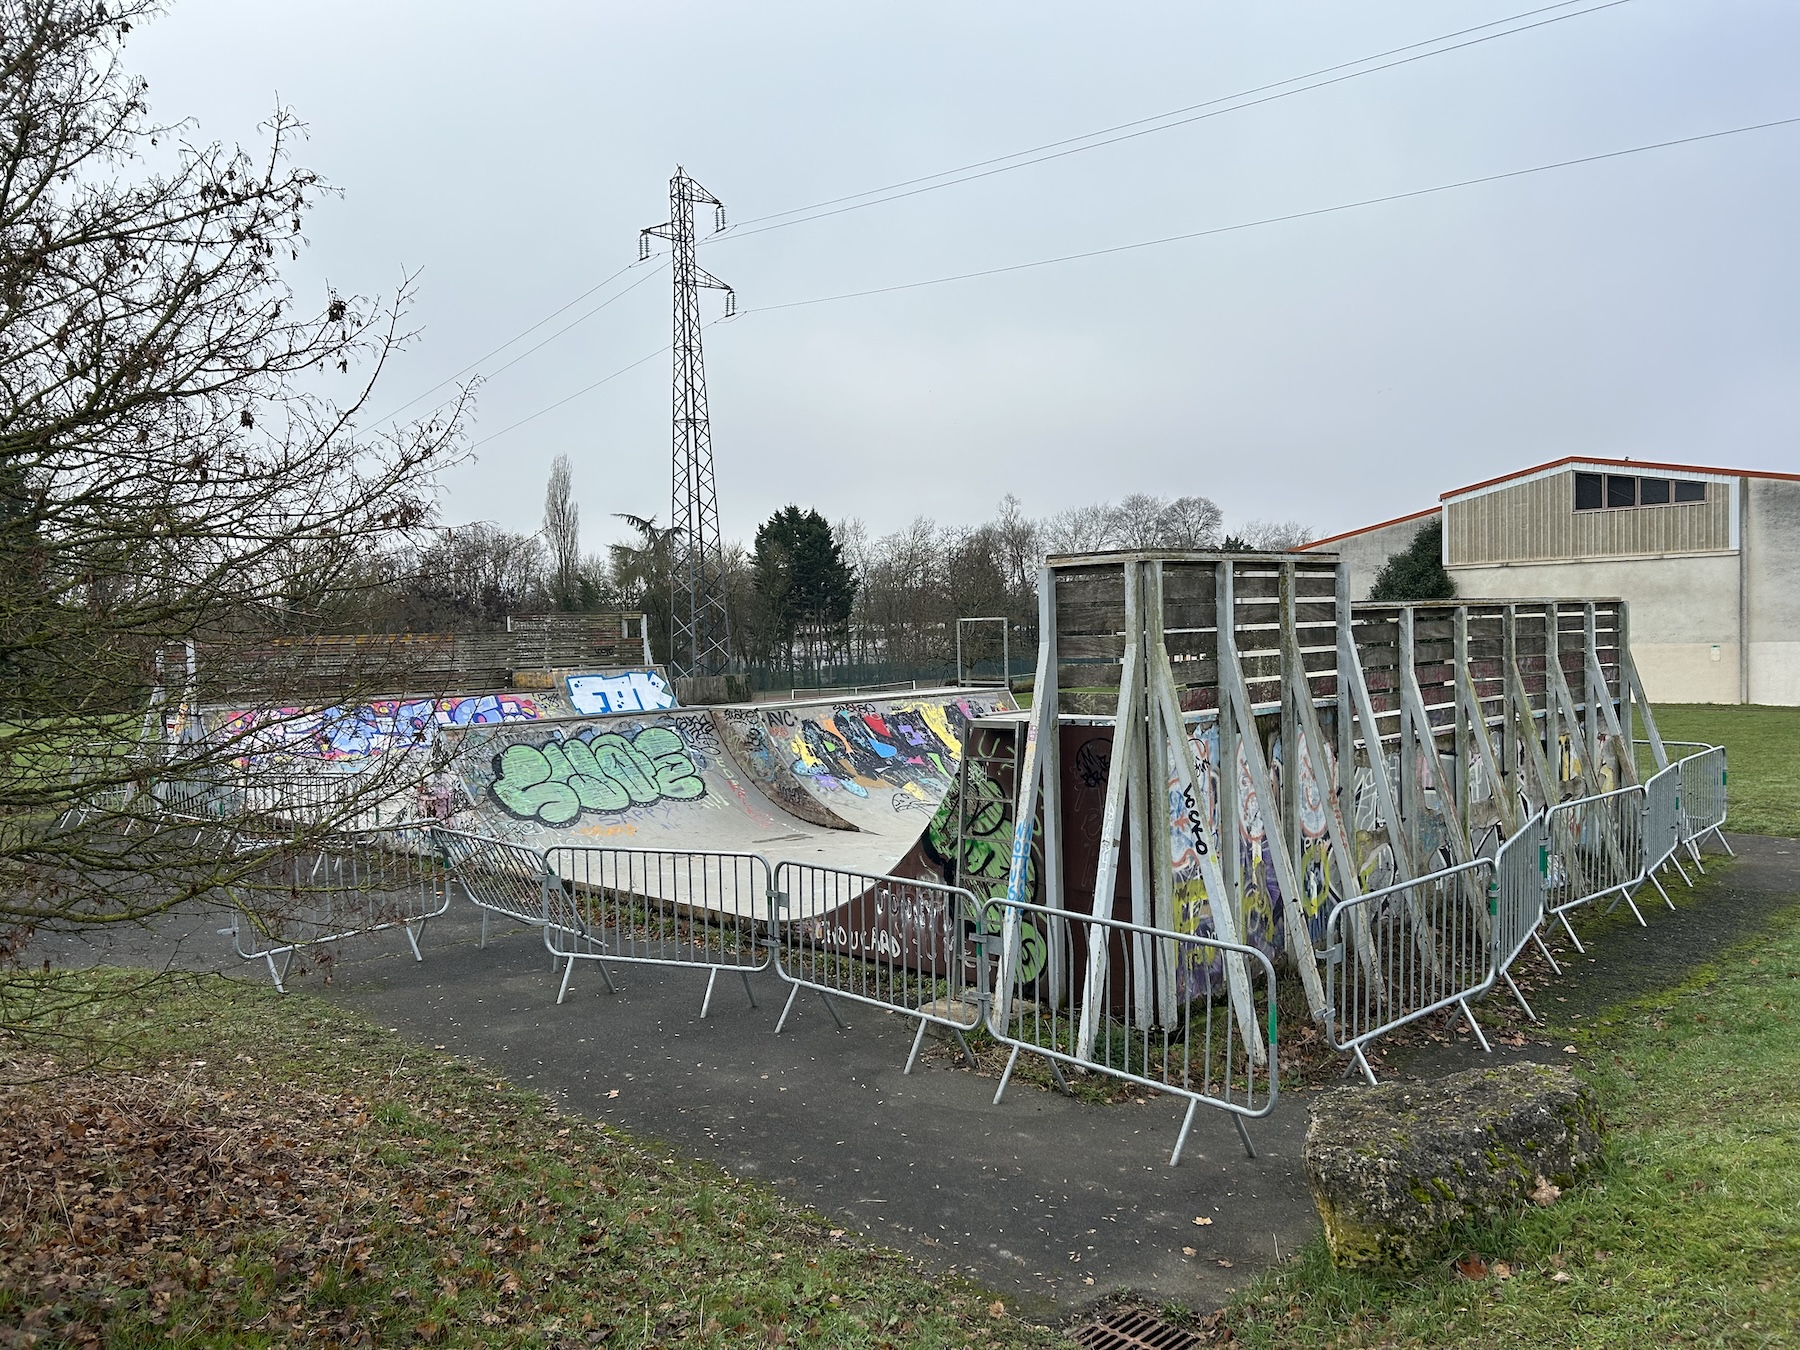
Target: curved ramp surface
[(849, 785), (658, 780), (879, 767)]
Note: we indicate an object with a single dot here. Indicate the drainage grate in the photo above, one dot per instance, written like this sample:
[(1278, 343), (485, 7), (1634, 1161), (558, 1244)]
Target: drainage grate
[(1135, 1329)]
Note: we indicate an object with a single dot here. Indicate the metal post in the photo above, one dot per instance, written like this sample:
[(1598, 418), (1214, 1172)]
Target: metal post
[(701, 639)]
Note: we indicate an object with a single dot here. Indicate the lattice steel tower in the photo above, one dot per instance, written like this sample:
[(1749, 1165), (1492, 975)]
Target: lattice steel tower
[(701, 641)]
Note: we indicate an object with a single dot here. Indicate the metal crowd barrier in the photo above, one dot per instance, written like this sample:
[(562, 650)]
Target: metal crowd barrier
[(1430, 945), (658, 907), (903, 946), (1663, 825), (346, 885), (97, 764), (498, 877), (1516, 901), (1596, 850), (1141, 1004), (1703, 799)]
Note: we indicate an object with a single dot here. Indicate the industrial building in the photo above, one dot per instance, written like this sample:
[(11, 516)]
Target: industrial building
[(1708, 558)]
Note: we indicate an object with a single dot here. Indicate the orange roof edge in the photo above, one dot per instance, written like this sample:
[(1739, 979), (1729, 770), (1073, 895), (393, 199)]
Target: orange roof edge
[(1614, 464), (1366, 529)]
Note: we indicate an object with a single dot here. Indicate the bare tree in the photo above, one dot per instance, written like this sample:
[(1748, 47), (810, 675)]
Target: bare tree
[(179, 464), (1080, 529), (562, 533), (1190, 522), (1275, 536)]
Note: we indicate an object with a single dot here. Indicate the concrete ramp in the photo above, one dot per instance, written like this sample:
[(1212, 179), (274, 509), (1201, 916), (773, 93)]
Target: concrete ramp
[(879, 767), (657, 780), (850, 785)]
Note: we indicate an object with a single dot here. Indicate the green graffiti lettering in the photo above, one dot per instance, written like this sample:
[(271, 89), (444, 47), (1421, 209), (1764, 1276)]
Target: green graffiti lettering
[(555, 782), (524, 785), (675, 774), (1034, 952)]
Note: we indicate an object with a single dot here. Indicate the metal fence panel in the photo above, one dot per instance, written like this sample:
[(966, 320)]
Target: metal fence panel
[(1430, 945), (345, 885), (498, 877), (1153, 1009), (1518, 902), (1596, 850), (906, 946), (660, 907), (1703, 799), (1662, 820)]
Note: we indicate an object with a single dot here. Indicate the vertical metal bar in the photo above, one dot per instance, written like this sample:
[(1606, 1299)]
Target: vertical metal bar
[(1154, 812), (1230, 810)]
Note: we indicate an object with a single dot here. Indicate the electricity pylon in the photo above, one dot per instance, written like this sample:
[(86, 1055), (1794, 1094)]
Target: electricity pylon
[(700, 641)]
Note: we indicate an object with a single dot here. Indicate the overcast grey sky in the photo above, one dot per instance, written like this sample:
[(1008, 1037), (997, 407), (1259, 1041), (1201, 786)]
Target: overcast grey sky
[(1338, 370)]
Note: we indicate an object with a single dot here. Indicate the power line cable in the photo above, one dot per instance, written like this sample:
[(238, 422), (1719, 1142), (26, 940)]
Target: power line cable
[(1277, 220), (1173, 112), (740, 232), (893, 195), (560, 309), (576, 323), (586, 389), (1176, 238)]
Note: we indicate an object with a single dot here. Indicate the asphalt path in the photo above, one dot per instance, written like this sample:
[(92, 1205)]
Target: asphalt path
[(1052, 1202)]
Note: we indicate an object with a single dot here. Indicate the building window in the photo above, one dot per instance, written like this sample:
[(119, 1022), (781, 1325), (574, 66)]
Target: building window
[(1613, 491)]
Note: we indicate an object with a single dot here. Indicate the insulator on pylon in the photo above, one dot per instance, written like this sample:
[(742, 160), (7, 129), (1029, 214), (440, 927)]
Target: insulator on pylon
[(730, 303), (718, 217), (643, 248)]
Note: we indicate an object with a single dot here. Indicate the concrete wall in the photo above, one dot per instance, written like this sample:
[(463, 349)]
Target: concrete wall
[(1684, 634), (1771, 528), (1367, 551)]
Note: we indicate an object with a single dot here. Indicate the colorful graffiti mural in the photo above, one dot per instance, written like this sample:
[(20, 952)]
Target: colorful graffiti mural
[(865, 766), (622, 691), (347, 736), (557, 780)]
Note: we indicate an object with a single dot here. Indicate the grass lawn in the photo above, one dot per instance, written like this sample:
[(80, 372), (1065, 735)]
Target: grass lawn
[(1762, 748), (1692, 1235), (261, 1171)]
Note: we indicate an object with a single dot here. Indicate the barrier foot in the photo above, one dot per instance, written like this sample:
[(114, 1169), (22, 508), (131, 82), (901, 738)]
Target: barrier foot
[(1475, 1026), (918, 1040), (1243, 1133), (1634, 909), (1693, 848), (968, 1054), (745, 976), (484, 921), (1563, 919), (1660, 891), (1555, 968), (563, 992), (413, 938), (781, 1021), (606, 975), (1512, 985), (1062, 1084), (278, 975), (831, 1008), (1006, 1075), (1724, 843), (1362, 1062), (1187, 1123), (1679, 868), (706, 1002)]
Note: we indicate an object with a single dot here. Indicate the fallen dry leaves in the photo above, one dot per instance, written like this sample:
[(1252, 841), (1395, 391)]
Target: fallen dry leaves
[(148, 1187)]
